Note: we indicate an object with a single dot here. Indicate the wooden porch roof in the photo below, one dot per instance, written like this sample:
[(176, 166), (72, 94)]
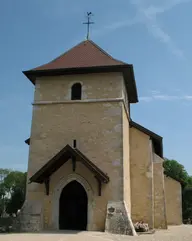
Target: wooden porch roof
[(61, 158)]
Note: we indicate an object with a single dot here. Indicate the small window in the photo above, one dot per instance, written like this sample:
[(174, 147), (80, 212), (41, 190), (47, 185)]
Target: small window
[(76, 91)]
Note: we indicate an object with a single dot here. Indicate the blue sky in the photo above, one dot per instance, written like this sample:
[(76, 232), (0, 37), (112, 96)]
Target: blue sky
[(153, 35)]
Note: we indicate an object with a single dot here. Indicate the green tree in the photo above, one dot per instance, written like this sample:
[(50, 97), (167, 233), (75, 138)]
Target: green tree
[(12, 190), (189, 181), (187, 203), (15, 179), (16, 201), (3, 199), (1, 207), (3, 175), (15, 184), (175, 170)]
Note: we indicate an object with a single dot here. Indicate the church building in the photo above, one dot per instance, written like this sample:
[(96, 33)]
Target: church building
[(91, 167)]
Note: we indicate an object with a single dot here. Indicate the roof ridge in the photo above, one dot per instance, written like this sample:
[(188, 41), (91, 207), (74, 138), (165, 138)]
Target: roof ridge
[(63, 54), (104, 52)]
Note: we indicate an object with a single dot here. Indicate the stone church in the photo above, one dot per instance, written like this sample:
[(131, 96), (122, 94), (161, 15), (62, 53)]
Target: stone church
[(91, 167)]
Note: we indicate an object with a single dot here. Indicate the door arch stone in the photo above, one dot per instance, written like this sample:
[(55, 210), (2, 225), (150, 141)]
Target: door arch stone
[(56, 197)]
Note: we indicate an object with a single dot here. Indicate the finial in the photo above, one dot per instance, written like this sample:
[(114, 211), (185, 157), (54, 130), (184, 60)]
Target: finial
[(89, 15)]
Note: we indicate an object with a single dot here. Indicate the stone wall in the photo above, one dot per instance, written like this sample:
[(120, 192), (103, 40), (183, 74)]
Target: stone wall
[(173, 194), (118, 219), (126, 160), (160, 219), (141, 177), (30, 217), (94, 86), (95, 122)]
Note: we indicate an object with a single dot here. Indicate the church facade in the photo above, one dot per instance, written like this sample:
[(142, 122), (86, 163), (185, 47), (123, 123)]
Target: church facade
[(91, 167)]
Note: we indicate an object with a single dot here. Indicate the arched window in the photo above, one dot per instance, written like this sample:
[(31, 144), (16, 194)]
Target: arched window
[(76, 91)]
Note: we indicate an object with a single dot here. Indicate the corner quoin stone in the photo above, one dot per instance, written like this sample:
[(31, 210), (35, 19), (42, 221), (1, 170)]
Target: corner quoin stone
[(118, 220)]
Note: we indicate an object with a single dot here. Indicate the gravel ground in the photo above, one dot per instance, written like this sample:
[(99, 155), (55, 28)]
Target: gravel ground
[(179, 233)]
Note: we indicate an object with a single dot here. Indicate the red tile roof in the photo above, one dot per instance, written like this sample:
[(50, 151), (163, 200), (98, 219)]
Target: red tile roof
[(85, 54)]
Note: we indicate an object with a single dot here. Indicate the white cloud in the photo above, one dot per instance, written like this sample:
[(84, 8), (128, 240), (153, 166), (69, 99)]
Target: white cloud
[(164, 37), (146, 98), (188, 97), (158, 32), (157, 96), (164, 6), (154, 92), (116, 25), (147, 12), (166, 97)]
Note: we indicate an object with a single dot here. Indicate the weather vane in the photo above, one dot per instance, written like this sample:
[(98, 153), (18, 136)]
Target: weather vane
[(89, 15)]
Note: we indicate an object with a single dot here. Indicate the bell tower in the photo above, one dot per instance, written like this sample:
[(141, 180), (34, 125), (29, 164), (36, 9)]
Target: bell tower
[(81, 97)]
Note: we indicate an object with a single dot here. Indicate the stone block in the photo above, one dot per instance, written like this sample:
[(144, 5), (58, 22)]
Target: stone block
[(118, 219)]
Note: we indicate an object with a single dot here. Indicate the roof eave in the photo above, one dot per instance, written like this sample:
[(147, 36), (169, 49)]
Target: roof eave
[(145, 130), (153, 136), (55, 163), (27, 141), (131, 89)]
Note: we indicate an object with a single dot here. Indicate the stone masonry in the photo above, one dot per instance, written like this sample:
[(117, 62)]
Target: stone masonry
[(55, 124)]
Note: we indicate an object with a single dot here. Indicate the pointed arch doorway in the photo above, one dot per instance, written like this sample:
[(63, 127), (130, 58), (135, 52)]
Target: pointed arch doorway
[(73, 207)]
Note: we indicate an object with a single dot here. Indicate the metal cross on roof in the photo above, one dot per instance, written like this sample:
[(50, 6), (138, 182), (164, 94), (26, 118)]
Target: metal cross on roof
[(89, 15)]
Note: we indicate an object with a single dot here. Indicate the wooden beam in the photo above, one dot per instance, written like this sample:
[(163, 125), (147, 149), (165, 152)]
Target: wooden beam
[(74, 163), (99, 185), (46, 182), (66, 154)]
